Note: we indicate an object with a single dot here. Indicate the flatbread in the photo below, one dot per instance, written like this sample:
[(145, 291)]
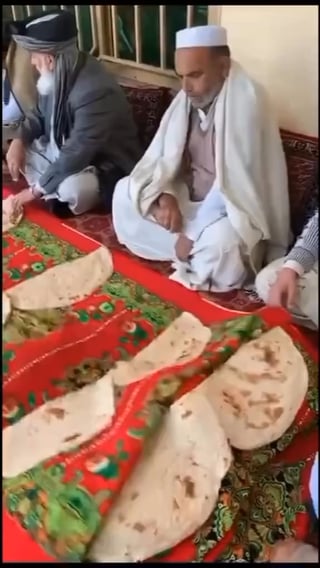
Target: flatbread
[(182, 341), (65, 284), (10, 219), (173, 489), (57, 426), (259, 390), (6, 308)]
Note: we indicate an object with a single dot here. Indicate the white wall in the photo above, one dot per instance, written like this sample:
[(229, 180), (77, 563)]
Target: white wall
[(278, 45)]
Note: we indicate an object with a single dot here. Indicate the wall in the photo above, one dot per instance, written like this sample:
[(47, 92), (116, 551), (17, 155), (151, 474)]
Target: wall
[(278, 45)]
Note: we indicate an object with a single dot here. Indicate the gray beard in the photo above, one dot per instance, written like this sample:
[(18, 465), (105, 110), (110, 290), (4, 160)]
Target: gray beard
[(45, 84), (205, 102)]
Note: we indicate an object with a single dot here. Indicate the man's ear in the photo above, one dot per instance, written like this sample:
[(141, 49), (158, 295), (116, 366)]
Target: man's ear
[(225, 63), (51, 61)]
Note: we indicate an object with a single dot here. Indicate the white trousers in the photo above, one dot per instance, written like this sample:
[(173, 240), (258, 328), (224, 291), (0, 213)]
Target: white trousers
[(217, 262), (80, 191), (307, 301)]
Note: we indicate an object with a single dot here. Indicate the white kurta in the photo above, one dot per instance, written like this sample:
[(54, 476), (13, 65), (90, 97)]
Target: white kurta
[(250, 188), (245, 215), (80, 191), (219, 267)]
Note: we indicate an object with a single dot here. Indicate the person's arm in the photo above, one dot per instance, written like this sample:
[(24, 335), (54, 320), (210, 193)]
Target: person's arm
[(305, 252), (211, 210), (94, 123)]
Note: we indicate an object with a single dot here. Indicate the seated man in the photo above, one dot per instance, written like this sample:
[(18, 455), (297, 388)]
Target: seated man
[(211, 192), (292, 281), (81, 139)]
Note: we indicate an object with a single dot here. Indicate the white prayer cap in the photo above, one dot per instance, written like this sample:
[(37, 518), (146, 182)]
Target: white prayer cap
[(201, 36)]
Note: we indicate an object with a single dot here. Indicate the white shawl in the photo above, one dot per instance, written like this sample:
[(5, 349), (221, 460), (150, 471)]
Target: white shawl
[(250, 164)]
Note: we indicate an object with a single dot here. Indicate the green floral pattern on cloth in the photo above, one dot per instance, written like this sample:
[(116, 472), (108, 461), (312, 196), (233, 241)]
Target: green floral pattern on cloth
[(268, 502), (259, 499), (32, 325), (49, 506), (46, 243), (56, 483)]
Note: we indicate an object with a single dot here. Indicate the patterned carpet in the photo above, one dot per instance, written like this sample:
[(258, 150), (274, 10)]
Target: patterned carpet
[(99, 227)]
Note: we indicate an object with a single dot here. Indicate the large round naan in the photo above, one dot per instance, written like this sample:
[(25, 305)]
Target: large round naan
[(173, 489), (184, 340), (64, 284), (259, 390), (6, 308), (57, 426)]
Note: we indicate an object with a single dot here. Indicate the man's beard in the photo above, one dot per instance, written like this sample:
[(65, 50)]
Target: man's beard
[(206, 100), (45, 83)]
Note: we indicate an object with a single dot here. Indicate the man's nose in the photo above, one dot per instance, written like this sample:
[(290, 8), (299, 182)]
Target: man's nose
[(186, 86)]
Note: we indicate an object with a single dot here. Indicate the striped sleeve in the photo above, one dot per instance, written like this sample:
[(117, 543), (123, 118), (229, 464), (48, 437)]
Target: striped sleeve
[(306, 250)]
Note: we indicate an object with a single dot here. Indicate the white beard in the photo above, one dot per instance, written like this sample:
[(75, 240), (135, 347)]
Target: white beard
[(45, 83)]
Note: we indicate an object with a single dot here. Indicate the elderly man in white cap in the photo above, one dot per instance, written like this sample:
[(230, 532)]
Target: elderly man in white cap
[(210, 193)]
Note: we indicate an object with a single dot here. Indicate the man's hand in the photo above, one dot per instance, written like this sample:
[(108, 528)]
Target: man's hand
[(291, 550), (168, 214), (183, 248), (284, 290), (23, 197), (16, 157)]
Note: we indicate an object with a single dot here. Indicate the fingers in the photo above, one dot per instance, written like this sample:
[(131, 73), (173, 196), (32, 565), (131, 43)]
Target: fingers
[(170, 220), (14, 170), (176, 222), (166, 222), (291, 295), (275, 296)]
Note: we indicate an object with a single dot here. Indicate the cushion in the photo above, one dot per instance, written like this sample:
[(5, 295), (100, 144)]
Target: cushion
[(148, 104)]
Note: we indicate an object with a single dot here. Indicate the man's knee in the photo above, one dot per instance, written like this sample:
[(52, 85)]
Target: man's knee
[(120, 193), (122, 208), (80, 192), (77, 185)]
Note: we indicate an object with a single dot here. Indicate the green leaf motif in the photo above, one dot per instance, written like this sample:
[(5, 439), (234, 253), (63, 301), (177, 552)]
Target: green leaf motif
[(32, 399), (8, 355), (123, 456), (15, 274), (138, 433), (97, 316), (83, 316)]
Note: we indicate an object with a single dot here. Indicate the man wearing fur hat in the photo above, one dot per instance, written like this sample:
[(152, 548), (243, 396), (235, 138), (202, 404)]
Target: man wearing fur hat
[(81, 138)]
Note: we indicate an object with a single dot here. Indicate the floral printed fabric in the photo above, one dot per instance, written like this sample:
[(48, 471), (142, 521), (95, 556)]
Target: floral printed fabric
[(63, 501)]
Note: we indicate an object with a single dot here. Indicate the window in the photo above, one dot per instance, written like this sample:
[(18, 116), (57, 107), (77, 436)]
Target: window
[(146, 34), (154, 23), (141, 36)]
